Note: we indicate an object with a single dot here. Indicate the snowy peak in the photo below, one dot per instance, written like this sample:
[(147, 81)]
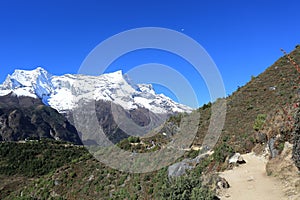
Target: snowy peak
[(114, 76), (23, 78), (60, 92), (33, 83)]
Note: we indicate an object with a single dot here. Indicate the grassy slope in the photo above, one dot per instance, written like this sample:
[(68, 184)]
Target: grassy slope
[(71, 173), (256, 97)]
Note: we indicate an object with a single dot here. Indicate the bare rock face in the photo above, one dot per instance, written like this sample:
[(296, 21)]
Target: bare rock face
[(273, 151), (24, 118), (14, 118), (140, 116)]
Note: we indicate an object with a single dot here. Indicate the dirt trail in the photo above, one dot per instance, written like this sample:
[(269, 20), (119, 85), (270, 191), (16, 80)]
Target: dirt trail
[(250, 181)]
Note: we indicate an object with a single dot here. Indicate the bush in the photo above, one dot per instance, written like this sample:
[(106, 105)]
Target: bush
[(176, 119), (121, 194), (124, 144), (259, 121), (186, 187), (133, 139), (202, 194), (193, 154), (205, 106), (221, 152), (33, 159)]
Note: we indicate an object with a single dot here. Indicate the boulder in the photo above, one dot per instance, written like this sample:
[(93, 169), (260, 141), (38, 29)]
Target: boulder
[(222, 183), (260, 137), (236, 159), (273, 151), (179, 169)]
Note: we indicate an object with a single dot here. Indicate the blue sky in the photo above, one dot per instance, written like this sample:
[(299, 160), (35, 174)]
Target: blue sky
[(242, 37)]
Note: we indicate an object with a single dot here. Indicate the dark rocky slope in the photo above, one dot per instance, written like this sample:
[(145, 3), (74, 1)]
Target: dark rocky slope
[(24, 118), (116, 122)]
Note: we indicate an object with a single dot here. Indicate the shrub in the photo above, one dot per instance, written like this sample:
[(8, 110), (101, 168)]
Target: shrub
[(186, 187), (221, 152), (205, 106), (33, 159), (201, 194), (133, 139), (176, 119), (259, 121)]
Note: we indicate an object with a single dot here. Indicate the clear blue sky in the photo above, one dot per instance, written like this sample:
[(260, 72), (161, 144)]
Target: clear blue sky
[(242, 37)]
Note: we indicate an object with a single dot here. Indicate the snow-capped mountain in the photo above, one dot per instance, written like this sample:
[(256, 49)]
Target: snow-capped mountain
[(60, 92)]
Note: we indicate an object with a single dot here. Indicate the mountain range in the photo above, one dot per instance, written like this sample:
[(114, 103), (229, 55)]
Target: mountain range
[(60, 92)]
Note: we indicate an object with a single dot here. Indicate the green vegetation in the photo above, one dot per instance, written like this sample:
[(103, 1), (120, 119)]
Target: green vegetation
[(143, 145), (259, 121), (222, 152), (205, 106), (176, 119), (133, 139), (35, 158), (70, 172), (193, 154), (280, 147), (186, 187)]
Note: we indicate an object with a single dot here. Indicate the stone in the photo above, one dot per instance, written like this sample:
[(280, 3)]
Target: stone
[(222, 184), (241, 160), (250, 179), (273, 151), (56, 182), (260, 137), (91, 177), (236, 159), (179, 169)]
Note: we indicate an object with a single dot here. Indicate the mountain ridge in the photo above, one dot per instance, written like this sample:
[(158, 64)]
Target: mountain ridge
[(60, 92)]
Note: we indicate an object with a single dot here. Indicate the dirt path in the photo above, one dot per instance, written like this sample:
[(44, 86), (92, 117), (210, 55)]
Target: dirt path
[(249, 181)]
